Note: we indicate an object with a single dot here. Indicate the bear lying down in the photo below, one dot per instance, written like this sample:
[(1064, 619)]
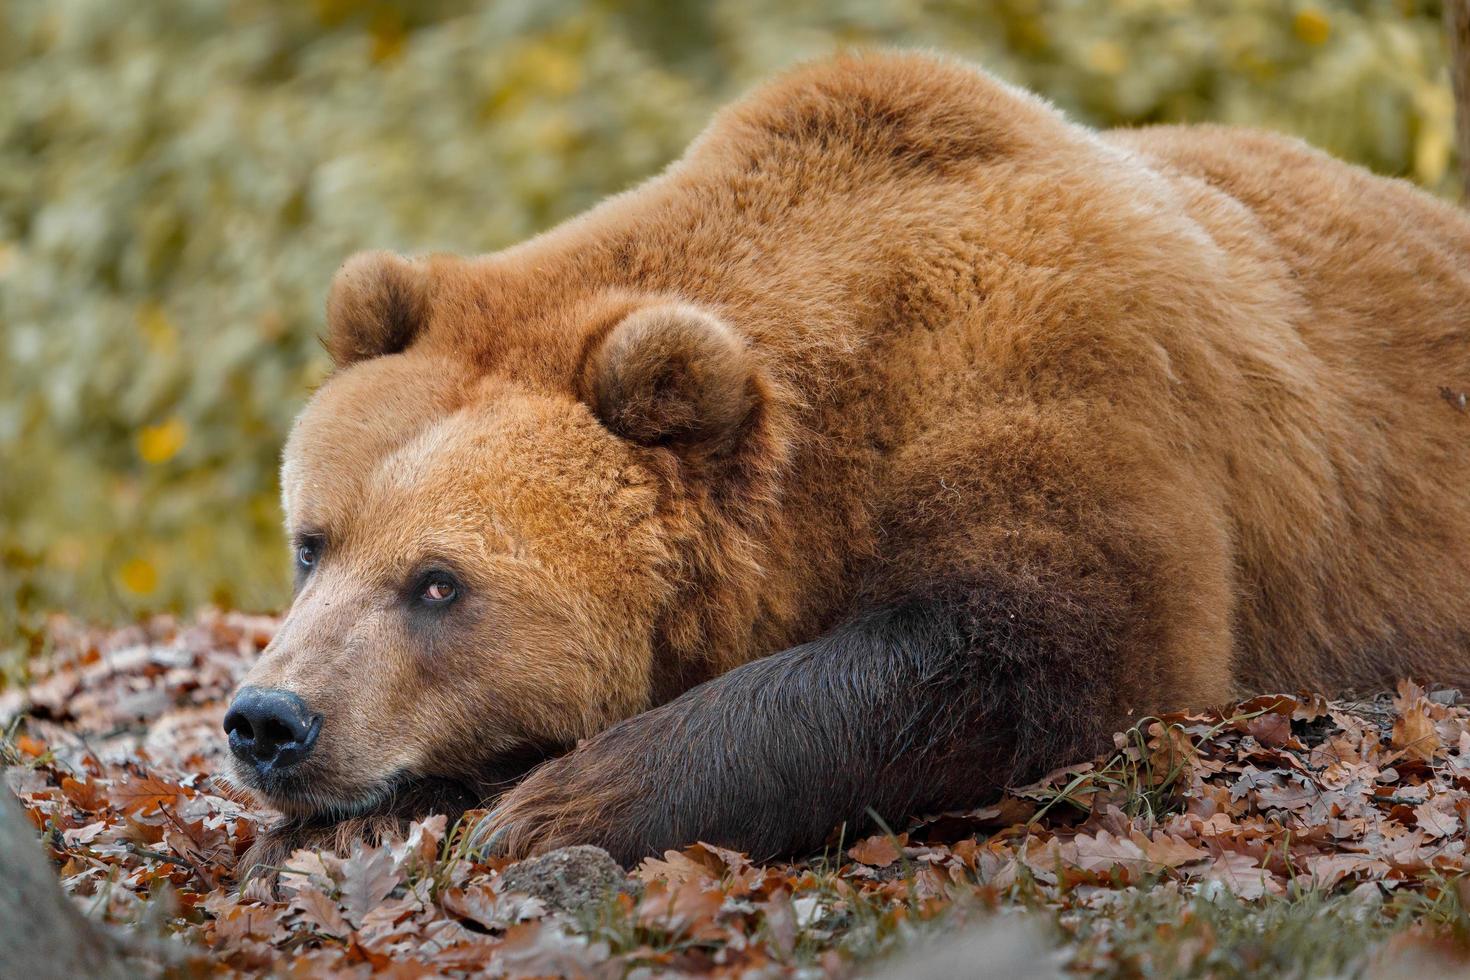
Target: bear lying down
[(900, 441)]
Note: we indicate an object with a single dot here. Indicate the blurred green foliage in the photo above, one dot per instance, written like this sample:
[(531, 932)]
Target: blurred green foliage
[(178, 181)]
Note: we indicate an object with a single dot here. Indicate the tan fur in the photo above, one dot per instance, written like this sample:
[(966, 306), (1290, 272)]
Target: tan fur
[(920, 326)]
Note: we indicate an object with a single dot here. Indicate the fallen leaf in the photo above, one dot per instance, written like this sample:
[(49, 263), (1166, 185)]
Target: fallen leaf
[(368, 877), (138, 793), (878, 851), (320, 912), (1239, 874)]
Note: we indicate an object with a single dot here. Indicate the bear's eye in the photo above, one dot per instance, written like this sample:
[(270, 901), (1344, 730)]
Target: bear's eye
[(308, 550), (438, 589)]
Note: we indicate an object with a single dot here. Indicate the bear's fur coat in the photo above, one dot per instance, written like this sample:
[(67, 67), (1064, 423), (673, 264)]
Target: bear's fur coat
[(901, 440)]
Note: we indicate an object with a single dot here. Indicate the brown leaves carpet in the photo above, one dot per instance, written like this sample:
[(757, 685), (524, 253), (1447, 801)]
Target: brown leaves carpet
[(113, 750)]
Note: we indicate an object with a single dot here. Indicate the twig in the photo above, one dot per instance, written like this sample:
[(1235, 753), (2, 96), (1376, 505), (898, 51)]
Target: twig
[(146, 852)]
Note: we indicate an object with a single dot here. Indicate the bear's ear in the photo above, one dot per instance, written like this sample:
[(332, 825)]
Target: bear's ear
[(377, 303), (671, 374)]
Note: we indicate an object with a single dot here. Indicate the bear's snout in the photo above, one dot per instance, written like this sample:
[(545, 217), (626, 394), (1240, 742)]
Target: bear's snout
[(270, 729)]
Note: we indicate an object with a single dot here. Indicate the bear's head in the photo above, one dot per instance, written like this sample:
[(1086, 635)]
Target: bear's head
[(497, 522)]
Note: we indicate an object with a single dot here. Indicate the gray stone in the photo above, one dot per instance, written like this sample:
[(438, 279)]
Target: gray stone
[(569, 879)]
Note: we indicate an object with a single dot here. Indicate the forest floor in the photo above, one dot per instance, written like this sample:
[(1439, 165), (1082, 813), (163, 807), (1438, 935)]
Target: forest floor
[(1290, 835)]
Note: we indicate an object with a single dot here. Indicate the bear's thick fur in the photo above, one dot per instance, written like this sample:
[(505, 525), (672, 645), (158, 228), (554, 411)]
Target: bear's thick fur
[(901, 440)]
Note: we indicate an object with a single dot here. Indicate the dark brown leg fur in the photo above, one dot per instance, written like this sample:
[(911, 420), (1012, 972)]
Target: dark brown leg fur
[(928, 704)]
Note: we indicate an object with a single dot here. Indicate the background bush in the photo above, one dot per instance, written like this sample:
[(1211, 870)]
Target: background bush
[(178, 181)]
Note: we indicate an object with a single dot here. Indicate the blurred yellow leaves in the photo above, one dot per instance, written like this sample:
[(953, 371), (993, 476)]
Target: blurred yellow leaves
[(386, 27), (550, 68), (546, 66), (389, 36), (68, 551), (1106, 57), (138, 576), (158, 330), (332, 12), (1312, 26), (1436, 132), (162, 442), (171, 233)]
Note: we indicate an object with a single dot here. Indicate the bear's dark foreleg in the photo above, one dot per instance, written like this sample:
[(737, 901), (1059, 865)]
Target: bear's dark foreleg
[(922, 706)]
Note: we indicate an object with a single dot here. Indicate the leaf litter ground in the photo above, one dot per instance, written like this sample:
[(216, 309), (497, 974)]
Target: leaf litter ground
[(1289, 834)]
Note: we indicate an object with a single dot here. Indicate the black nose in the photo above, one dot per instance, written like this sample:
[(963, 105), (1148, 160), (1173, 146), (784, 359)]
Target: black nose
[(270, 729)]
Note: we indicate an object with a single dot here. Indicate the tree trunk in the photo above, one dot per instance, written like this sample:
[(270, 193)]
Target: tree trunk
[(42, 934), (1457, 26)]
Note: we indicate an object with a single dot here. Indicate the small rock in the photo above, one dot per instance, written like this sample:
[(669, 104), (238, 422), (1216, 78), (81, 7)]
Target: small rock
[(569, 879)]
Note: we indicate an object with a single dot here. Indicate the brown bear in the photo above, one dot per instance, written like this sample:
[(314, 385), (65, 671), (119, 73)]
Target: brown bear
[(901, 440)]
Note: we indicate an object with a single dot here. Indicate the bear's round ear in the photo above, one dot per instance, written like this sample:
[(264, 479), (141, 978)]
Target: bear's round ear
[(377, 303), (671, 374)]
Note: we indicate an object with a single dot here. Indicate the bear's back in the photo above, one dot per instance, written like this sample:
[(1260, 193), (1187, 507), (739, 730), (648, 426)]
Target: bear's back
[(1350, 495)]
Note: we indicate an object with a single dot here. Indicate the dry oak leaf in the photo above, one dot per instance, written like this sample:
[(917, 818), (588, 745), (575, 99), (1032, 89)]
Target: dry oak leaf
[(1270, 729), (83, 835), (368, 877), (477, 903), (391, 918), (1414, 734), (720, 859), (1167, 850), (1105, 851), (688, 910), (878, 851), (234, 923), (676, 868), (140, 793), (1438, 816), (1240, 874), (90, 795), (546, 950), (33, 747), (319, 910), (420, 849), (1329, 869), (1294, 792)]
